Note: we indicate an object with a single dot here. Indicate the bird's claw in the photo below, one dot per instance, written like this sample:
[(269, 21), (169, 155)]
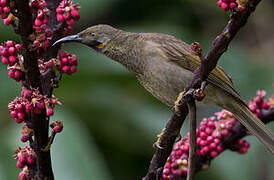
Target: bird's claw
[(157, 143)]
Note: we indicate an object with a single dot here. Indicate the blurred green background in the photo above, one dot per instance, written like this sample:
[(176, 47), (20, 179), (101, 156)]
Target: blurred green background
[(111, 122)]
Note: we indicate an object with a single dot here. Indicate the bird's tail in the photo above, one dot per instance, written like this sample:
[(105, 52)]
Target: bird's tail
[(254, 125)]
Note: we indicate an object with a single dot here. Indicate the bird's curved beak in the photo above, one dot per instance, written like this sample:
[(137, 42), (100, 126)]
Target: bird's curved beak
[(72, 38)]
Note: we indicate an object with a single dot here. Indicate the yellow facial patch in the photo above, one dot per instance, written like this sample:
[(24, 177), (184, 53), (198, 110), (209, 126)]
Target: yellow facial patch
[(100, 46)]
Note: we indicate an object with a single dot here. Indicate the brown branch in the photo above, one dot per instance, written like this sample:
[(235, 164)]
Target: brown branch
[(220, 45), (192, 144), (33, 79)]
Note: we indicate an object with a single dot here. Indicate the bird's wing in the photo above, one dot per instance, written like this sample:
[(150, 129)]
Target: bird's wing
[(179, 52)]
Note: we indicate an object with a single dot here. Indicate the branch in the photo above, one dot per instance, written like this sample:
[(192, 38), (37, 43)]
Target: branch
[(220, 45), (33, 79), (192, 147)]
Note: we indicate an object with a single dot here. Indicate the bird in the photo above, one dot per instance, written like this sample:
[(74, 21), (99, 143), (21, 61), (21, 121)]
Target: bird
[(164, 66)]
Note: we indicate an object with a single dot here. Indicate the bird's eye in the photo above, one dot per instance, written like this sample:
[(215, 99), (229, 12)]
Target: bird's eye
[(93, 34)]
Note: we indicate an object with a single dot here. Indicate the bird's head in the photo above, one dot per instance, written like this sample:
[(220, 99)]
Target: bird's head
[(97, 37)]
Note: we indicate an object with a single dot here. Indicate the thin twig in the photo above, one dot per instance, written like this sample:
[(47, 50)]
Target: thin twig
[(192, 136)]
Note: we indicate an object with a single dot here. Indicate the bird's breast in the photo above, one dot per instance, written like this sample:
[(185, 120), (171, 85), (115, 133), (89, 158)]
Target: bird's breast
[(164, 79)]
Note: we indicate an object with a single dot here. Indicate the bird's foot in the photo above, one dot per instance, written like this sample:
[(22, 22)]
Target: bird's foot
[(159, 136), (199, 94), (177, 103)]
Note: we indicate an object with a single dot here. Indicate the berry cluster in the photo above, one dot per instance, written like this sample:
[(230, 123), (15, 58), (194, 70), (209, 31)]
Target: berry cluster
[(9, 55), (31, 100), (25, 157), (9, 51), (209, 138), (24, 174), (67, 13), (258, 103), (43, 35), (213, 131), (5, 11), (68, 62), (232, 4)]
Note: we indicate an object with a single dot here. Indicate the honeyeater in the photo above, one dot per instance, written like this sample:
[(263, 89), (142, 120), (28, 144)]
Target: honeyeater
[(165, 66)]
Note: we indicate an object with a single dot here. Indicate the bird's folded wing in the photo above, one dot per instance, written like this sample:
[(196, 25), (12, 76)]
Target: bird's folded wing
[(180, 53)]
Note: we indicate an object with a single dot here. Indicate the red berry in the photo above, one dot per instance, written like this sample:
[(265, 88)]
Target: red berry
[(213, 154), (20, 115), (9, 44), (13, 114), (37, 22), (18, 121), (5, 60), (11, 74), (7, 21), (224, 6), (18, 74), (24, 138), (12, 50), (65, 69), (232, 5), (19, 164), (12, 60), (73, 69), (49, 112), (57, 129), (30, 160)]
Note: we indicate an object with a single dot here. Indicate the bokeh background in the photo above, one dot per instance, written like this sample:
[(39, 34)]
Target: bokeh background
[(111, 122)]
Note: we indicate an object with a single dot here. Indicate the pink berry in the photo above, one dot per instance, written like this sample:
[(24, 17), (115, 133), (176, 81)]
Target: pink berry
[(70, 22), (49, 112), (30, 160), (41, 105), (20, 115), (7, 21), (4, 52), (57, 129), (232, 5), (5, 60), (28, 108), (225, 132), (219, 3), (18, 46), (18, 74), (219, 149), (241, 8), (12, 50), (19, 164), (64, 61), (213, 154), (9, 44), (73, 69), (60, 18), (13, 114), (12, 60), (37, 22), (6, 9), (24, 138), (224, 6), (11, 74), (74, 13), (3, 2), (18, 121), (59, 10), (65, 69)]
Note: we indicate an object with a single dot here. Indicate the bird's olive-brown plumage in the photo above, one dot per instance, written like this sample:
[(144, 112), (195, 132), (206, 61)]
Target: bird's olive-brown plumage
[(164, 65)]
